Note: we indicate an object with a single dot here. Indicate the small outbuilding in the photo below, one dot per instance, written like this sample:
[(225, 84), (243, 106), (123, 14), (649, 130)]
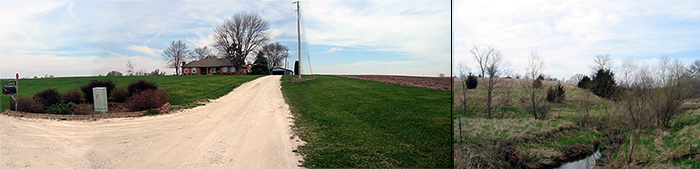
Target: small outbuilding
[(281, 71)]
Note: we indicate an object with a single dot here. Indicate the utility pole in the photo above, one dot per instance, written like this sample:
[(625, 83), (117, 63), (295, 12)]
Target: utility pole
[(299, 38)]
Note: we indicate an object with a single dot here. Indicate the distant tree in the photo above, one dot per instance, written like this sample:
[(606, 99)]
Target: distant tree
[(211, 56), (260, 66), (602, 62), (239, 36), (175, 55), (575, 78), (276, 53), (129, 67), (535, 101), (584, 83), (156, 72), (114, 73), (694, 70), (201, 53)]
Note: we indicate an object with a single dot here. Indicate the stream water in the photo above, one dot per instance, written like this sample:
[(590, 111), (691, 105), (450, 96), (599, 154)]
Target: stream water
[(588, 162)]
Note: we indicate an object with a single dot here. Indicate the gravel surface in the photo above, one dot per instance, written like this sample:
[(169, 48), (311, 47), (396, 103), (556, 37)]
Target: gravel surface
[(247, 128), (429, 82)]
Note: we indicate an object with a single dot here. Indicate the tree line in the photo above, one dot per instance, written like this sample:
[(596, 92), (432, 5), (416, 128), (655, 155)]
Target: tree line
[(651, 95)]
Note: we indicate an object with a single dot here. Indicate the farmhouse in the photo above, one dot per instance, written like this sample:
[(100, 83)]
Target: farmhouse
[(213, 66)]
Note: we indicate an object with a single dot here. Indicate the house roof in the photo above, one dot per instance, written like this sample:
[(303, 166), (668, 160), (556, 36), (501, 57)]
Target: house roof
[(211, 62)]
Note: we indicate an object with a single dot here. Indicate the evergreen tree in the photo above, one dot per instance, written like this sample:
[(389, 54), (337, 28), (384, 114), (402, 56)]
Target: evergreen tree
[(260, 66), (603, 83), (584, 83)]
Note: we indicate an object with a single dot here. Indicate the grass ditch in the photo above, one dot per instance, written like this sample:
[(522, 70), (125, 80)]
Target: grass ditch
[(182, 89), (365, 124)]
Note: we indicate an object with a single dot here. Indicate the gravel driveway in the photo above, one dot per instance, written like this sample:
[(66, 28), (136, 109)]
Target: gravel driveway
[(247, 128)]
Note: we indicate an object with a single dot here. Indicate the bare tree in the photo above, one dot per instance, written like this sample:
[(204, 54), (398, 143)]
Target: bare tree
[(129, 67), (494, 68), (602, 62), (575, 78), (482, 57), (276, 53), (175, 55), (201, 53), (464, 98), (535, 104), (239, 36)]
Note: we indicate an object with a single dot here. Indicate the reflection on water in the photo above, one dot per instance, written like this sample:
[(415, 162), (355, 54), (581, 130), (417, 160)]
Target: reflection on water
[(588, 162)]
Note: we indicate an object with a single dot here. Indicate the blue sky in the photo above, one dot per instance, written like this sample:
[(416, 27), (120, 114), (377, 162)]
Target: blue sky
[(87, 38), (569, 34)]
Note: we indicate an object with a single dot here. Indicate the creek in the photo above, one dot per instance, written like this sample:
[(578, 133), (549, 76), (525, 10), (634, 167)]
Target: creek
[(588, 162)]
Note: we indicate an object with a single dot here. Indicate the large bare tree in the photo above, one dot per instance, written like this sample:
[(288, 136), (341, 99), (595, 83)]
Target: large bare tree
[(175, 55), (491, 64), (276, 53), (201, 53), (535, 104), (239, 36)]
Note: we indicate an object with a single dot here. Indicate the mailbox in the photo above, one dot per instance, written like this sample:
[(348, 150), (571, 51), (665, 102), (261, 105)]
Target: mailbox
[(99, 95), (9, 90)]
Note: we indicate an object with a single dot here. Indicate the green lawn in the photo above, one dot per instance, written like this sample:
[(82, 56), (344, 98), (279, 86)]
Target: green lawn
[(182, 89), (366, 124)]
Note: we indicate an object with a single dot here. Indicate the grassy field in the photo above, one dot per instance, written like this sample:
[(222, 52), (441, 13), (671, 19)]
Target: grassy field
[(182, 89), (513, 138), (366, 124)]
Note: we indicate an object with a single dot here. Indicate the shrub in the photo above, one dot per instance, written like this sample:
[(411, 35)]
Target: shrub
[(556, 94), (60, 108), (49, 96), (148, 99), (87, 89), (471, 81), (82, 109), (120, 94), (151, 112), (29, 104), (537, 83), (72, 96), (137, 87)]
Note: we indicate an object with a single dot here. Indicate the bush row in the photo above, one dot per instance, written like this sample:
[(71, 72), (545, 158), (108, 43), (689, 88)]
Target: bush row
[(141, 95)]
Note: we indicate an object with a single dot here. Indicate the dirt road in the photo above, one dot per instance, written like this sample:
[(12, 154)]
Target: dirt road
[(248, 128)]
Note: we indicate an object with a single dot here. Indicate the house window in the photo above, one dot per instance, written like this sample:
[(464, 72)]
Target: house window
[(194, 70), (212, 70), (232, 69), (187, 70), (224, 69)]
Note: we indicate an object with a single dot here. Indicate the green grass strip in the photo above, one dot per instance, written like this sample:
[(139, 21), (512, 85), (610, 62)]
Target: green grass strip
[(366, 124)]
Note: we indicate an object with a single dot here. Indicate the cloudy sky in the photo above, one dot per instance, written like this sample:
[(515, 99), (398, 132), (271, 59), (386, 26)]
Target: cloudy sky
[(569, 34), (87, 38)]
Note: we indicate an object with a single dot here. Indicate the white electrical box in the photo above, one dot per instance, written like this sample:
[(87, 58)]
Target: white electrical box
[(99, 95)]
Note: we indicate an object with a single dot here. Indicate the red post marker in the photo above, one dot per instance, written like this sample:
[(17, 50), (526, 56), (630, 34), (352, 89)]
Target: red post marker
[(16, 75)]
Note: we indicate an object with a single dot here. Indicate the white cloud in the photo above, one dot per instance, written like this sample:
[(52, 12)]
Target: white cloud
[(569, 34), (144, 49), (420, 28), (334, 49)]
